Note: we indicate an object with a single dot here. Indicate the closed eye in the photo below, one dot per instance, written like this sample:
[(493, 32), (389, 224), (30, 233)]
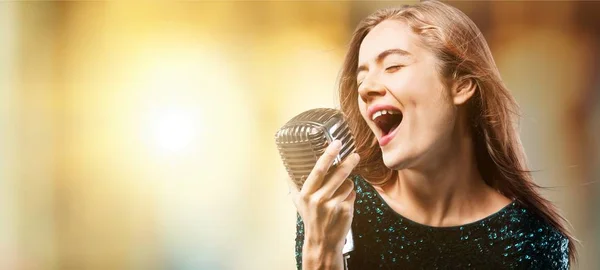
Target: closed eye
[(393, 68), (389, 69)]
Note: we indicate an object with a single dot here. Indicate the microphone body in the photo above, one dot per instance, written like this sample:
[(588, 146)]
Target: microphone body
[(304, 138)]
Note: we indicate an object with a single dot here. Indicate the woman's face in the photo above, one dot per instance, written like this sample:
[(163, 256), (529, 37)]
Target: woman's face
[(402, 97)]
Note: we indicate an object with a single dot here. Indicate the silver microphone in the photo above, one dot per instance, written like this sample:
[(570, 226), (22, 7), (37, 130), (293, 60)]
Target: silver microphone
[(304, 138)]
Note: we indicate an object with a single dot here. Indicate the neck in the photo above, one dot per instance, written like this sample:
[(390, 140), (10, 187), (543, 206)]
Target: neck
[(448, 192)]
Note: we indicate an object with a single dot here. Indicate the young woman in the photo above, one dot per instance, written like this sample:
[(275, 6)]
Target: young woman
[(440, 179)]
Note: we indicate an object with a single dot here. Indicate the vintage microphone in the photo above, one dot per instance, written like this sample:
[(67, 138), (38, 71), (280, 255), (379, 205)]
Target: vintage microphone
[(304, 138)]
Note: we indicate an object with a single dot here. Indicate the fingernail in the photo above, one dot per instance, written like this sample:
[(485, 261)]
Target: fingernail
[(337, 144)]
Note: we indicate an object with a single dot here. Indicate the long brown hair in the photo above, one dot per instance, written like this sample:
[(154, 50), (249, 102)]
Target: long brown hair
[(463, 54)]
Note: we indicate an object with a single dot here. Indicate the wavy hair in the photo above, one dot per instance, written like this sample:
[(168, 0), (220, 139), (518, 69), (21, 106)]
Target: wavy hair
[(462, 53)]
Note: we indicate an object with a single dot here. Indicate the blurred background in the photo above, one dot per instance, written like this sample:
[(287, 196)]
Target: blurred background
[(140, 135)]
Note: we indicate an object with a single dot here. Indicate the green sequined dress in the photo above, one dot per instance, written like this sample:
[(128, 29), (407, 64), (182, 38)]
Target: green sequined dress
[(512, 238)]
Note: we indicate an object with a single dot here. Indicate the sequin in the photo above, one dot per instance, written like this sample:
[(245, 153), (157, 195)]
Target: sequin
[(512, 238)]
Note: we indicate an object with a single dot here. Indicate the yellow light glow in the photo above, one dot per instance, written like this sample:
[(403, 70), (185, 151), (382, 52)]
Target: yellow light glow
[(174, 129), (172, 100)]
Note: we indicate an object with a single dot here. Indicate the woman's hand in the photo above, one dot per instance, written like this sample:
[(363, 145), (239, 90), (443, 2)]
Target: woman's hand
[(326, 205)]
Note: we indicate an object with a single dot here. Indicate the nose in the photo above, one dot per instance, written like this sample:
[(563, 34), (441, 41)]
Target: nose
[(370, 88)]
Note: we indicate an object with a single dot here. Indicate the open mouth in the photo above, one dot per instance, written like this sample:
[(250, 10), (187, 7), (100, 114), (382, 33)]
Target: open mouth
[(387, 121)]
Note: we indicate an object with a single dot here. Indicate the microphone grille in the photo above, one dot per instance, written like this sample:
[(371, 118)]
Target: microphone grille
[(304, 138)]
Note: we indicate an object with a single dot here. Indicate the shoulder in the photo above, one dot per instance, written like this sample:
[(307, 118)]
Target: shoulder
[(535, 240), (361, 186), (365, 192)]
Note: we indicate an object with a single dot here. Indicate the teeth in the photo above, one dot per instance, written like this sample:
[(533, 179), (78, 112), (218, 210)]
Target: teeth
[(382, 112)]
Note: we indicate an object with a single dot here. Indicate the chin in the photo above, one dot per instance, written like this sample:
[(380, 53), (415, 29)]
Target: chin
[(395, 161)]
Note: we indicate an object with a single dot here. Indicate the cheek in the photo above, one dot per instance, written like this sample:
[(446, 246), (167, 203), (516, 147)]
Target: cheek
[(434, 117), (431, 107), (412, 85), (362, 107)]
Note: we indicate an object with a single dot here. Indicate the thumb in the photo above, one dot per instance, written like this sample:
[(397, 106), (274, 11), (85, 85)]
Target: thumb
[(293, 189)]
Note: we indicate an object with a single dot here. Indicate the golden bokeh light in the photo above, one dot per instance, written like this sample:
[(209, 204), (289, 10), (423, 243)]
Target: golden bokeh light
[(141, 136)]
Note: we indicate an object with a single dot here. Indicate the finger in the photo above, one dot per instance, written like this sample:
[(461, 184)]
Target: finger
[(292, 186), (293, 189), (350, 199), (343, 192), (348, 204), (341, 173), (316, 176), (346, 209)]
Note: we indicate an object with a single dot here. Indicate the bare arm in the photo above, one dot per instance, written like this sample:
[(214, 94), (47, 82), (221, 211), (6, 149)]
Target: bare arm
[(321, 258), (311, 255), (325, 205)]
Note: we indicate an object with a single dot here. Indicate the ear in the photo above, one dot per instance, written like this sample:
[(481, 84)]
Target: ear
[(463, 90)]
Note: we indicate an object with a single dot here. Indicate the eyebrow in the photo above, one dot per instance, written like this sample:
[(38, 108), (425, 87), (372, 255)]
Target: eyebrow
[(383, 55)]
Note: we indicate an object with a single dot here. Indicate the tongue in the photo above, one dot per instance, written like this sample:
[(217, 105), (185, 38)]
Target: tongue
[(387, 123), (393, 128)]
